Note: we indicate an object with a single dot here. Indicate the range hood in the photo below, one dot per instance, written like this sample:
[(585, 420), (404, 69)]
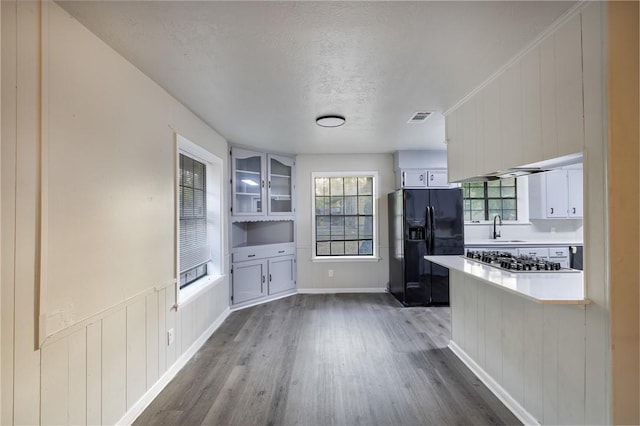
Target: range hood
[(528, 169)]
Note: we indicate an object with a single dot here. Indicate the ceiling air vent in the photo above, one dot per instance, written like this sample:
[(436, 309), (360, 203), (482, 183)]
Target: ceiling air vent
[(419, 117)]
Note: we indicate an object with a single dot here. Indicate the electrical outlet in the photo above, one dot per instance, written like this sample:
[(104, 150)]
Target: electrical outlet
[(330, 273), (170, 337)]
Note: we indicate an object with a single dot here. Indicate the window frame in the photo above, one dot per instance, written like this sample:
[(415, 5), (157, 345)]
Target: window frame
[(375, 191), (214, 207), (522, 206)]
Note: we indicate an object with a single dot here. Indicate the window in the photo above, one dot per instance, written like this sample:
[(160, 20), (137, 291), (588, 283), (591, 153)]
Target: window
[(199, 188), (344, 215), (484, 200), (194, 242)]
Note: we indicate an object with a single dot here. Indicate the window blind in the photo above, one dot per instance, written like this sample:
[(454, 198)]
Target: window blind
[(194, 242)]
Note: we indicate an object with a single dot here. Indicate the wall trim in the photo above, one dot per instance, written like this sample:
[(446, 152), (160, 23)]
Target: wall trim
[(341, 290), (518, 410), (136, 409), (262, 301)]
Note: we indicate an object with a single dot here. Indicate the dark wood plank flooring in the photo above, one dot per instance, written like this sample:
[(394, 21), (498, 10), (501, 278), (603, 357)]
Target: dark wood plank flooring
[(344, 359)]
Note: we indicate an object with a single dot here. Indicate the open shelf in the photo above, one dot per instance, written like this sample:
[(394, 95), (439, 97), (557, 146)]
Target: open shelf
[(245, 234)]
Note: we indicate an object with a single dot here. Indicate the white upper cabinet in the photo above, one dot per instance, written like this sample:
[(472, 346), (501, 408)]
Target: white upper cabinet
[(417, 179), (532, 111), (248, 179), (414, 178), (258, 177), (437, 179), (575, 193), (556, 194), (280, 185)]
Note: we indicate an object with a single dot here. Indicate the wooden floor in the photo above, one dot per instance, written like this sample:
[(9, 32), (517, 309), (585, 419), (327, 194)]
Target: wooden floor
[(344, 359)]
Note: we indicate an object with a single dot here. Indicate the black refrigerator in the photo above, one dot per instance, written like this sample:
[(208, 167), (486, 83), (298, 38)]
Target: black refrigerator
[(423, 222)]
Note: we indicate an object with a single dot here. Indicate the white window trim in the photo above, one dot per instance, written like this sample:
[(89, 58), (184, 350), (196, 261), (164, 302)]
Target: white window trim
[(375, 256), (214, 179)]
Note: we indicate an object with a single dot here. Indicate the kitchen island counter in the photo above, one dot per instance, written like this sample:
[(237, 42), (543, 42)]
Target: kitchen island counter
[(565, 288)]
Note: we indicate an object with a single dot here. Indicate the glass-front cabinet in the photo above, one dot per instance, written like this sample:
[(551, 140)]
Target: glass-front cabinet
[(248, 182), (257, 177), (280, 185)]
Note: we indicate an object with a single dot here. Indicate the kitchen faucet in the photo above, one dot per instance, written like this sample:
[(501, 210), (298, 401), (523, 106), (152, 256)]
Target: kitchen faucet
[(496, 233)]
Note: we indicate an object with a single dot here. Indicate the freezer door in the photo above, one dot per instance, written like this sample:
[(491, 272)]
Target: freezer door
[(396, 244), (416, 274), (447, 229)]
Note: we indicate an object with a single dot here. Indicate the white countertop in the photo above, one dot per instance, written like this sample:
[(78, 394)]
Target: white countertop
[(565, 288), (520, 243)]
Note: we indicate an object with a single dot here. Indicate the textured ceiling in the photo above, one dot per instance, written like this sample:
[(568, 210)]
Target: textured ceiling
[(261, 72)]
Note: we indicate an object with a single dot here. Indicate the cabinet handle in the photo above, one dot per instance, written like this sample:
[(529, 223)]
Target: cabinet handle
[(263, 278), (251, 255), (574, 210), (431, 177), (269, 277), (551, 210), (263, 184), (421, 178), (280, 251), (269, 184)]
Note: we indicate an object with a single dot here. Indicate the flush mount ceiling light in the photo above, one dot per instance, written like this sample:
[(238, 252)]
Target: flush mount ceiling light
[(330, 121)]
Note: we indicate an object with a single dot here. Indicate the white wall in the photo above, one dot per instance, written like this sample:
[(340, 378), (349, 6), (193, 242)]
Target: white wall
[(358, 276), (104, 191)]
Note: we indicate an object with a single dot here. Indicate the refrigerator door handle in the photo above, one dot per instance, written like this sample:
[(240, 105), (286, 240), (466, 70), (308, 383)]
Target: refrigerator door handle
[(432, 228), (427, 228)]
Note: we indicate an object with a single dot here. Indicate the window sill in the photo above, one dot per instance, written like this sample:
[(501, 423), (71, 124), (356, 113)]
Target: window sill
[(337, 259), (195, 289)]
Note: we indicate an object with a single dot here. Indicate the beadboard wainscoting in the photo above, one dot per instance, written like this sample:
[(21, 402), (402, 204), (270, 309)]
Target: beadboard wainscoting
[(108, 371)]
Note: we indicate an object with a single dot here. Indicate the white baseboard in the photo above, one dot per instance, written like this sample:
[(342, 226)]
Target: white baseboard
[(261, 301), (136, 409), (518, 410), (340, 290)]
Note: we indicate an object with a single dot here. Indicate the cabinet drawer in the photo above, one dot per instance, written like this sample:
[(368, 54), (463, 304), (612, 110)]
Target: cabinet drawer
[(541, 252), (559, 252), (242, 254)]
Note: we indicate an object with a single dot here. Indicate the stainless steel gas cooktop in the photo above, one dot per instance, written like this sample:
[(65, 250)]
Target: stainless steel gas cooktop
[(511, 263)]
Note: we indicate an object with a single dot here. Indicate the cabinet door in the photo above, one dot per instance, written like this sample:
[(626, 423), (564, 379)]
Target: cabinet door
[(249, 279), (248, 182), (414, 179), (574, 183), (539, 252), (281, 274), (556, 186), (280, 186), (437, 178)]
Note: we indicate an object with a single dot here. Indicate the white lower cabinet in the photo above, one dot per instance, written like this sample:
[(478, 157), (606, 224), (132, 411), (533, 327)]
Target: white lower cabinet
[(281, 274), (249, 280), (262, 271)]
